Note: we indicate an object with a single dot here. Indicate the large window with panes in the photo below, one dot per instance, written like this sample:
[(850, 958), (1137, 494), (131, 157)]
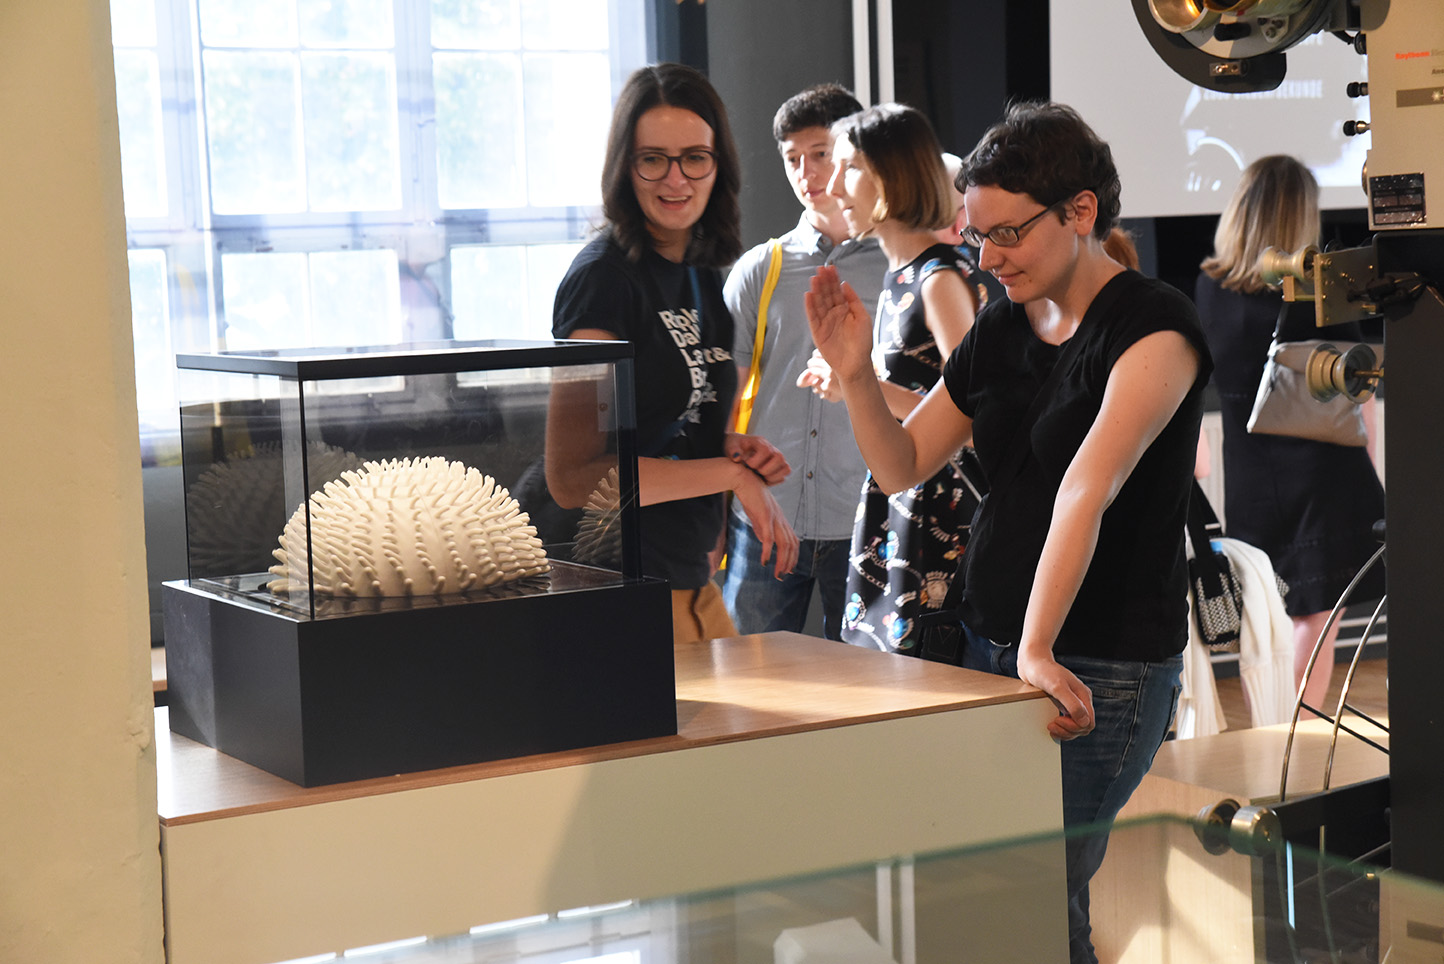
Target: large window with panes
[(316, 173)]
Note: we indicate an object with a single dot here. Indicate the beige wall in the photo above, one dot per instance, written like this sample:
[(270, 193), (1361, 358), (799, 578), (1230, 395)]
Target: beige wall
[(79, 865)]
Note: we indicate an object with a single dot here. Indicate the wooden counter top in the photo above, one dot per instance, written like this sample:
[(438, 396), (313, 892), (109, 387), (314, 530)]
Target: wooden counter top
[(790, 747), (728, 690), (1247, 764)]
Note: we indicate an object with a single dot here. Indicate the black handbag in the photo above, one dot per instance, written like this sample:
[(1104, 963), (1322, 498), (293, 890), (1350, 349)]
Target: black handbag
[(1217, 595), (941, 639)]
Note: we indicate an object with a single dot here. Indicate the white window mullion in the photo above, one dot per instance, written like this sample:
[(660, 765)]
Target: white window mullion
[(416, 116)]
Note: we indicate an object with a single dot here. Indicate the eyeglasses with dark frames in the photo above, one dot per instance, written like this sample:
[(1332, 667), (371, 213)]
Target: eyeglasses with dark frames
[(1004, 235), (654, 165)]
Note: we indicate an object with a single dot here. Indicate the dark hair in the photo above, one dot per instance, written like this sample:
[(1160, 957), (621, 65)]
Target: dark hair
[(818, 106), (1046, 151), (717, 236), (903, 153)]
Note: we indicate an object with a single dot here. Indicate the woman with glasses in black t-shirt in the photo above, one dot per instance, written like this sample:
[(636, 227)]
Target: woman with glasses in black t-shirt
[(652, 277)]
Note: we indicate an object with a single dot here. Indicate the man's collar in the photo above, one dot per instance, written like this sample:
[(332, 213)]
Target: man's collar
[(808, 234)]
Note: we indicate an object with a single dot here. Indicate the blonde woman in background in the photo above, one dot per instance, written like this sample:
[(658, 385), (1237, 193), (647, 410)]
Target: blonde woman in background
[(1310, 505)]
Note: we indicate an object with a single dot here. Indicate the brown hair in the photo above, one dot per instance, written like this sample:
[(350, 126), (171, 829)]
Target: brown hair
[(1046, 151), (900, 149), (1120, 247), (717, 236), (1275, 205), (819, 106)]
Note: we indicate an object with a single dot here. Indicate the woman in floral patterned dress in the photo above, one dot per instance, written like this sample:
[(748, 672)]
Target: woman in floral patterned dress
[(890, 180)]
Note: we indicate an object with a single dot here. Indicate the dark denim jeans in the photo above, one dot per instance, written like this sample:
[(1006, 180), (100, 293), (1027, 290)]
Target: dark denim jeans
[(761, 603), (1133, 705)]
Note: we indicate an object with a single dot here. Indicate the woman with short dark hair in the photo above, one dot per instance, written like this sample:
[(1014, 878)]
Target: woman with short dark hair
[(1082, 394), (669, 188)]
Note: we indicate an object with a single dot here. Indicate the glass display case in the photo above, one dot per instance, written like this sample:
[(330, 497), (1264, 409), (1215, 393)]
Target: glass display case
[(413, 556), (1187, 901)]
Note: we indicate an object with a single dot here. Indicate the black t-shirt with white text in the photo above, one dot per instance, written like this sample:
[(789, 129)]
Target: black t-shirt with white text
[(681, 333)]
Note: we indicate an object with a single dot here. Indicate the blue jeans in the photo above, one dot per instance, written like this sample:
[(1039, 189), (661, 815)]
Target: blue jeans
[(761, 603), (1133, 706)]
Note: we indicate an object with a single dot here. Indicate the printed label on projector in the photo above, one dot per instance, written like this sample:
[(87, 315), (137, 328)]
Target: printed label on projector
[(1397, 199)]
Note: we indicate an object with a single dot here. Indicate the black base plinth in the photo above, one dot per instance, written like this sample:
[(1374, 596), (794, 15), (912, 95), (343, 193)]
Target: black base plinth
[(389, 689)]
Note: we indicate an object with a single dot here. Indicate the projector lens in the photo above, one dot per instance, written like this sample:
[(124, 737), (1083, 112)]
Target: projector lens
[(1260, 9), (1178, 16)]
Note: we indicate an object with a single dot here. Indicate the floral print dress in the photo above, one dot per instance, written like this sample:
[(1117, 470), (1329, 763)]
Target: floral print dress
[(906, 547)]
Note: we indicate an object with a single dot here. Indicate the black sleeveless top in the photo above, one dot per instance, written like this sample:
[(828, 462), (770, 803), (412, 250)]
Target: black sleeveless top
[(1132, 603)]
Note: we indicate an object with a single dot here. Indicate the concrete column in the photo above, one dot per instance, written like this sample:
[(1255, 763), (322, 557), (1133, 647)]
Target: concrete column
[(80, 873)]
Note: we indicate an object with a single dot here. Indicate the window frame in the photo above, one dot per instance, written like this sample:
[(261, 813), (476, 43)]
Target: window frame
[(194, 239)]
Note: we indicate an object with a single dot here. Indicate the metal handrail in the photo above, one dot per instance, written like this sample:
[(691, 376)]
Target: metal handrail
[(1344, 691), (1313, 658)]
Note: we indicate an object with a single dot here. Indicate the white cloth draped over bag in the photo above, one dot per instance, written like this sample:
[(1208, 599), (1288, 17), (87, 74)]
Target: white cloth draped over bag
[(1265, 656)]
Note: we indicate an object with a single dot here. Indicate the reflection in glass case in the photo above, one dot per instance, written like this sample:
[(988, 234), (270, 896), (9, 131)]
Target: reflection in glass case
[(365, 519), (1181, 899), (262, 430)]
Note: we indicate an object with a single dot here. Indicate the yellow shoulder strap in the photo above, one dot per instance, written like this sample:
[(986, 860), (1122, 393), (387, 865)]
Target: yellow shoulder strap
[(754, 376)]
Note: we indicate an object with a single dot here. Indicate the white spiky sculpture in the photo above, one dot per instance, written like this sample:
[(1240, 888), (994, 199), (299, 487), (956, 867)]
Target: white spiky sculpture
[(413, 527)]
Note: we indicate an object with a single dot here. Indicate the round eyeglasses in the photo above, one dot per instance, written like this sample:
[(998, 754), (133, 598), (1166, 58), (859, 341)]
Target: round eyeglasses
[(1004, 235), (654, 165)]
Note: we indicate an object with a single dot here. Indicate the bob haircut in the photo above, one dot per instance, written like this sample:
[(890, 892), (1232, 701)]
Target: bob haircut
[(1046, 151), (717, 236), (902, 152), (819, 106), (1275, 205)]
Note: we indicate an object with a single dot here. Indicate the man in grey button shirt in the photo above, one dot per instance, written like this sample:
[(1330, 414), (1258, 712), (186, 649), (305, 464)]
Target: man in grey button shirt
[(821, 495)]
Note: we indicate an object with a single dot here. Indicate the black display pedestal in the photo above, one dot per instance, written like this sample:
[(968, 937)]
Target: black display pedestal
[(394, 687)]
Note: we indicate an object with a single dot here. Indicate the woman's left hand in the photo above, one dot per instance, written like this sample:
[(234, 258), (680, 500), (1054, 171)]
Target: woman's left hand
[(1073, 699), (779, 540), (759, 455)]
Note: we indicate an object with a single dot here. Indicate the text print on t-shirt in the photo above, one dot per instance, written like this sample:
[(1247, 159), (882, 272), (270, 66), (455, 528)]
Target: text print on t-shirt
[(686, 331)]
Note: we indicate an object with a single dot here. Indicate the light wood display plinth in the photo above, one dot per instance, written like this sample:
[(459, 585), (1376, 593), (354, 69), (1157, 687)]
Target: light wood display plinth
[(793, 755)]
